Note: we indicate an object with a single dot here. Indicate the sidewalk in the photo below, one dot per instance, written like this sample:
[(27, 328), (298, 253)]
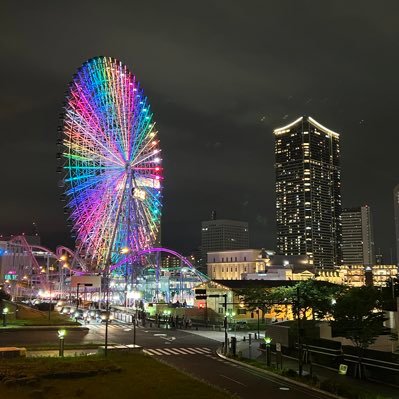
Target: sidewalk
[(323, 373), (219, 335)]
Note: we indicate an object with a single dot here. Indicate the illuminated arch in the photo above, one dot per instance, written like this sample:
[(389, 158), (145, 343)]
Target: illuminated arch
[(143, 252)]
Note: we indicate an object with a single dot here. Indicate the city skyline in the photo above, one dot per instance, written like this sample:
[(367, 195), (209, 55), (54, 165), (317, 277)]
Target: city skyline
[(222, 145)]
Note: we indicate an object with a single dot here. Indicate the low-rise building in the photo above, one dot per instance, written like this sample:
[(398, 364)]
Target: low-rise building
[(261, 264)]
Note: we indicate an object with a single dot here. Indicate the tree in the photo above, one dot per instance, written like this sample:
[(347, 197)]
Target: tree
[(389, 294), (313, 297), (357, 316), (4, 295), (254, 298)]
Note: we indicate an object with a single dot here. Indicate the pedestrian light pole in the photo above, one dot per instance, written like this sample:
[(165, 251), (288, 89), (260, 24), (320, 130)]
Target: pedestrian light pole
[(49, 308), (61, 337), (225, 325), (5, 313)]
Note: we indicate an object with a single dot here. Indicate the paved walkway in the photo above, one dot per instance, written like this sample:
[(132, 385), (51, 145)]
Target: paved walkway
[(323, 373)]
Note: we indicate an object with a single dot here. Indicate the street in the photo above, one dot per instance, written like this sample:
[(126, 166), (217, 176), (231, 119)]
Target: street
[(189, 352)]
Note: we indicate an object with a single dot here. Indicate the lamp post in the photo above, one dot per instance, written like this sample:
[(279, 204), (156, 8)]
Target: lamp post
[(5, 313), (268, 341), (61, 336), (66, 266), (125, 251), (49, 308), (257, 312)]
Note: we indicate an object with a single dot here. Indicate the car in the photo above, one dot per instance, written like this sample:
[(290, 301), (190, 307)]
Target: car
[(78, 314), (66, 310), (242, 325), (102, 316)]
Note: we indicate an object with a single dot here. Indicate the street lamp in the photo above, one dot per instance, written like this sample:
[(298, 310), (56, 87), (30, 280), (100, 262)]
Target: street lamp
[(66, 266), (268, 341), (257, 312), (5, 312), (125, 251), (61, 336)]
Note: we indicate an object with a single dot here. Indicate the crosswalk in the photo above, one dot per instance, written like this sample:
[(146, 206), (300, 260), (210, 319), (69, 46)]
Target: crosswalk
[(177, 351)]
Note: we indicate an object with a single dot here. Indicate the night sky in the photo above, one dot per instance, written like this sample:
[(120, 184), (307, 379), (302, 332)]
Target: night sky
[(220, 75)]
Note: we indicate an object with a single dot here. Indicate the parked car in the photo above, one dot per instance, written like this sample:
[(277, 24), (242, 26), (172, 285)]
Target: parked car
[(242, 325)]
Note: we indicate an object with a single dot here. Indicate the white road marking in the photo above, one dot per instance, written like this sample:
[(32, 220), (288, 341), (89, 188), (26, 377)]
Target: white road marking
[(180, 351), (163, 351), (196, 351), (204, 350), (237, 382)]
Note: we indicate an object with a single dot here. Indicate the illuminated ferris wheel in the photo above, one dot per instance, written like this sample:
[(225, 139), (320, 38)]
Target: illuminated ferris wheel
[(111, 163)]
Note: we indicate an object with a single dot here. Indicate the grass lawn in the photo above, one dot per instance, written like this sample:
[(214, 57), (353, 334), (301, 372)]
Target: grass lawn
[(119, 376), (56, 319)]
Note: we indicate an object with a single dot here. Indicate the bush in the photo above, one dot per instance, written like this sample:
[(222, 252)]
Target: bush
[(290, 373), (339, 389), (4, 295)]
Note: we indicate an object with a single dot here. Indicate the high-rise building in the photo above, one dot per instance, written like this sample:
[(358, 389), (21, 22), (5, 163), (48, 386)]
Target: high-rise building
[(308, 192), (357, 236), (223, 234), (396, 209)]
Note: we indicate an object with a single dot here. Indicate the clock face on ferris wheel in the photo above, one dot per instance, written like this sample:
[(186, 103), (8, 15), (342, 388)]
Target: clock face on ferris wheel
[(112, 162)]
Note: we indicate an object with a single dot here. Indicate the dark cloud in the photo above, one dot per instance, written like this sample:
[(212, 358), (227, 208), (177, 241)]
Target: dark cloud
[(220, 76)]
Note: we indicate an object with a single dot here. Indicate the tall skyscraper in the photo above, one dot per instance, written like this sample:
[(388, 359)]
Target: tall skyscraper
[(396, 209), (308, 192), (357, 236), (222, 234)]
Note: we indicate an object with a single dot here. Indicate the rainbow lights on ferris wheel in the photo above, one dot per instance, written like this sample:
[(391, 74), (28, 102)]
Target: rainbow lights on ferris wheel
[(112, 162)]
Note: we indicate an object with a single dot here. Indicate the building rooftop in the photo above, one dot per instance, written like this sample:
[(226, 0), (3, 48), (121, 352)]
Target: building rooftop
[(286, 128)]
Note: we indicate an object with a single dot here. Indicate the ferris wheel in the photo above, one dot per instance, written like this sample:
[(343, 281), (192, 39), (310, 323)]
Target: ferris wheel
[(111, 163)]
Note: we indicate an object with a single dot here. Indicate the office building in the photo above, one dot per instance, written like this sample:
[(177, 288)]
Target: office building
[(308, 192), (222, 234), (357, 236)]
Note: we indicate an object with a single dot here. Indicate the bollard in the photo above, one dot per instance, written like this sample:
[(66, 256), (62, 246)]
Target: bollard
[(243, 338), (256, 336), (249, 338), (233, 343)]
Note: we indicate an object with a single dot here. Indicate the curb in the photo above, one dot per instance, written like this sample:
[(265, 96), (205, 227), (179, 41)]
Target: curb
[(44, 328), (282, 378)]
